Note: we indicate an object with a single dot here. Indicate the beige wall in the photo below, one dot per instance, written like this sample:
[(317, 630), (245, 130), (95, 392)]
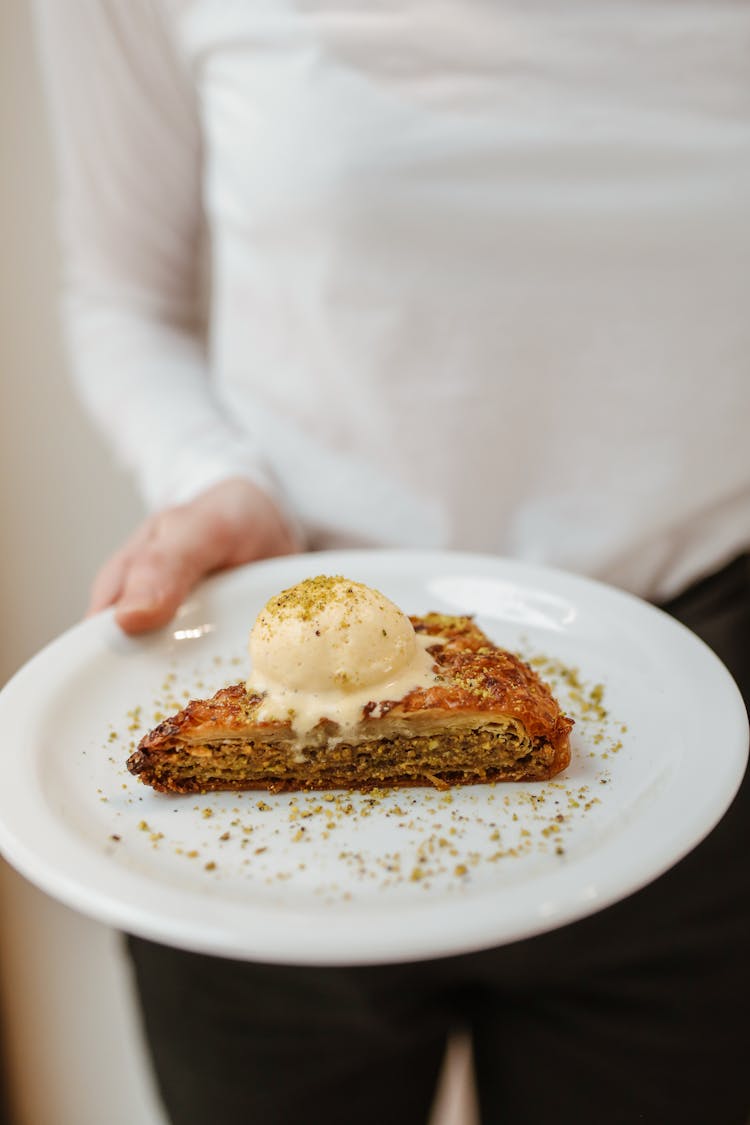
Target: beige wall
[(63, 504), (74, 1053)]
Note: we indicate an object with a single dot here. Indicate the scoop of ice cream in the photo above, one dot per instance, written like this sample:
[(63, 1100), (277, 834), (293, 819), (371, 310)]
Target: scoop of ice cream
[(330, 634)]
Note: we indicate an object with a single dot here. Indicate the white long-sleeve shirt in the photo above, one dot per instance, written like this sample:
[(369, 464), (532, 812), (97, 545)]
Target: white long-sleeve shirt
[(479, 271)]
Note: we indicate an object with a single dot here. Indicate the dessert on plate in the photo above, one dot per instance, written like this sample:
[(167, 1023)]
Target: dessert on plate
[(347, 692)]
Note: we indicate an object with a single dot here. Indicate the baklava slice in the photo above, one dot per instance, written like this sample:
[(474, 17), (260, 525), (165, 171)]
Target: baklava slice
[(469, 713)]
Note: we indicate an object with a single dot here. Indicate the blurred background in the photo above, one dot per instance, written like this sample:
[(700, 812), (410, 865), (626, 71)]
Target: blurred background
[(73, 1052)]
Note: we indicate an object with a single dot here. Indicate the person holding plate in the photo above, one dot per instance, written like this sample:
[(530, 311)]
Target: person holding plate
[(434, 275)]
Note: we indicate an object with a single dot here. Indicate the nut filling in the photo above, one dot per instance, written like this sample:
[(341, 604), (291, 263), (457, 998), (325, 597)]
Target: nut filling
[(493, 756)]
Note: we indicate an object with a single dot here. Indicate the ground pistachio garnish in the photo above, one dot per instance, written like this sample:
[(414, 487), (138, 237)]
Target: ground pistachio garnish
[(311, 597), (392, 841)]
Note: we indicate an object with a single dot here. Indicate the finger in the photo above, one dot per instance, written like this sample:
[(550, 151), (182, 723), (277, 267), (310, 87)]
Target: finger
[(185, 545), (109, 581), (147, 597), (107, 585)]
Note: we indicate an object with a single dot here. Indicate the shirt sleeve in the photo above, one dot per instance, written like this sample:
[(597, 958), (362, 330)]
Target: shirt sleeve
[(128, 145)]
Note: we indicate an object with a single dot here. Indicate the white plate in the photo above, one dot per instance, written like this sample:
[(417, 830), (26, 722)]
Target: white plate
[(362, 878)]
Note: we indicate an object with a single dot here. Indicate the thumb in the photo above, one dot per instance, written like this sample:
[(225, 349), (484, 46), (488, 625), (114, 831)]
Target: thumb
[(153, 589), (185, 545)]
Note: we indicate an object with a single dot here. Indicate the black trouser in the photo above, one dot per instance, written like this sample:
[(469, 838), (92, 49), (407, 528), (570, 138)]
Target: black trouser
[(639, 1013)]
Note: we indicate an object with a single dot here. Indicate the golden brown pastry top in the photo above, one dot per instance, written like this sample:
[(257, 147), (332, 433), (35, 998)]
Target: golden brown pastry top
[(479, 676), (474, 677)]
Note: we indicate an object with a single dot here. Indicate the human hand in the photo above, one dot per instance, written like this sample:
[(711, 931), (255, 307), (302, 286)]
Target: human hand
[(228, 525)]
